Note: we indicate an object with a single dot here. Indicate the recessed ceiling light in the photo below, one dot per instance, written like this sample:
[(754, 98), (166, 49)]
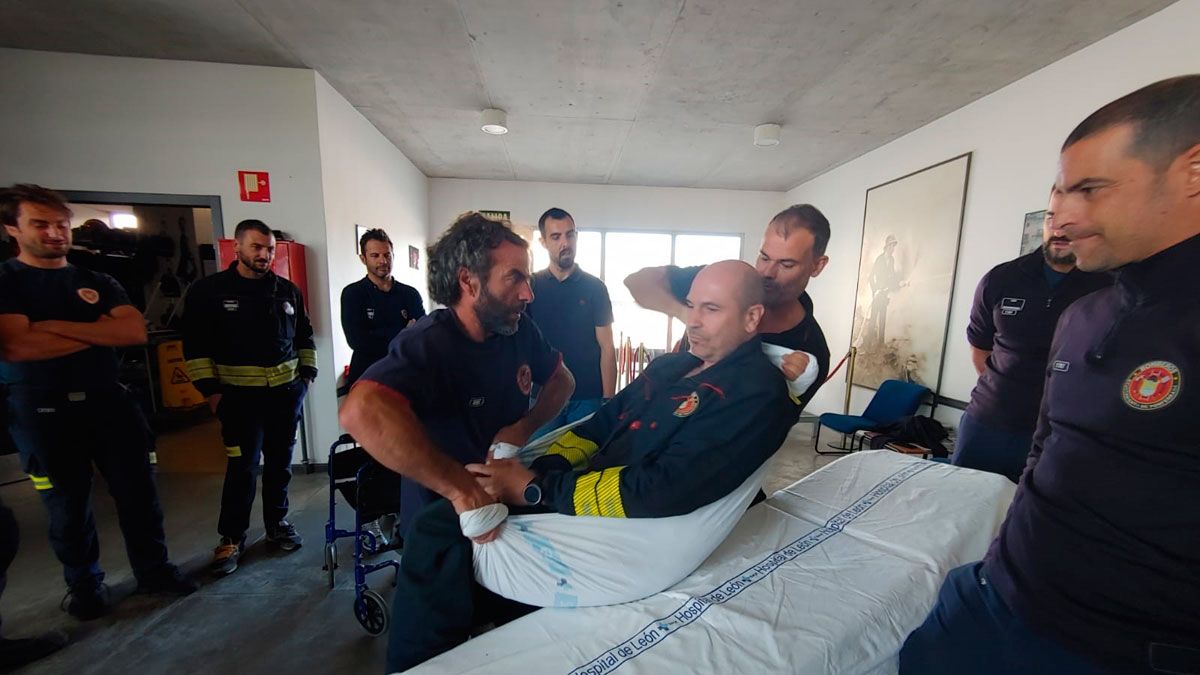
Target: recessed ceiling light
[(494, 122), (766, 135)]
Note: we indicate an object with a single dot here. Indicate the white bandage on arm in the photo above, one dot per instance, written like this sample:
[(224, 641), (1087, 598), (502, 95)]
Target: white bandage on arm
[(504, 450), (798, 386), (482, 520)]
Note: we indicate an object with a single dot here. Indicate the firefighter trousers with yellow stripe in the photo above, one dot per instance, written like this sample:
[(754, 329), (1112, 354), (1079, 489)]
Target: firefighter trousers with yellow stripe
[(10, 536), (258, 427), (61, 436)]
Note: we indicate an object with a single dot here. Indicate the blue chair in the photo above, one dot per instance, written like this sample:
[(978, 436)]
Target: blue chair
[(893, 401)]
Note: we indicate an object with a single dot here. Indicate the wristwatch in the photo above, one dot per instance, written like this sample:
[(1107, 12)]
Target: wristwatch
[(533, 492)]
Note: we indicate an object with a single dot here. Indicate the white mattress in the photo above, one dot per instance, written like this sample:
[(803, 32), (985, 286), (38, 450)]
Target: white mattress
[(827, 576)]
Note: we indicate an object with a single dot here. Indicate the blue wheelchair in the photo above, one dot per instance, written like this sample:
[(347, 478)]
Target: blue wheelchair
[(372, 491)]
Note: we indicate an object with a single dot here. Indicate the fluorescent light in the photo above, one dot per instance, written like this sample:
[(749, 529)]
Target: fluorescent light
[(124, 221)]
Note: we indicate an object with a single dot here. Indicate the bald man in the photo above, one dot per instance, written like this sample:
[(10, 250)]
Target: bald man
[(687, 432)]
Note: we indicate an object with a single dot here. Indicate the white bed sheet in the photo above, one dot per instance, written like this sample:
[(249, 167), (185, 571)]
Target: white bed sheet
[(827, 576)]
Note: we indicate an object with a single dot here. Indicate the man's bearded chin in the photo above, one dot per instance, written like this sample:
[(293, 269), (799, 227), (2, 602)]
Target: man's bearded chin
[(1067, 258), (494, 315)]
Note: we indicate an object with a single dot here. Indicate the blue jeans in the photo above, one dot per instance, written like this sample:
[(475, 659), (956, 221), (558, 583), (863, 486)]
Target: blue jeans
[(971, 630), (987, 449), (574, 411)]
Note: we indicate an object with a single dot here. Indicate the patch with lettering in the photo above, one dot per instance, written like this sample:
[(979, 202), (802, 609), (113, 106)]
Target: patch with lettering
[(89, 295), (230, 305), (370, 312), (688, 406), (1152, 385), (1010, 306)]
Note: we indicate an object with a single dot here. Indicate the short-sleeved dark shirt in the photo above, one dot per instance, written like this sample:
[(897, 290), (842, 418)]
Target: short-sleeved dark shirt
[(66, 294), (568, 313), (1101, 545), (1013, 316), (462, 391), (805, 336), (372, 317)]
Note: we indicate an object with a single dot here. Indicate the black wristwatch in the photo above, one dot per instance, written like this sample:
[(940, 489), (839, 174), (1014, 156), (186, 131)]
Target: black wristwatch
[(533, 492)]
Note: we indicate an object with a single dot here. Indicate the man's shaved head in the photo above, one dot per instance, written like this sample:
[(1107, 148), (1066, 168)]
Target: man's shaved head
[(724, 308)]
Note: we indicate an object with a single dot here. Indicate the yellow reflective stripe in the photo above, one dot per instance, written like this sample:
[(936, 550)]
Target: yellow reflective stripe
[(41, 482), (233, 451), (308, 357), (258, 376), (608, 493), (795, 398), (585, 494), (574, 448), (201, 369)]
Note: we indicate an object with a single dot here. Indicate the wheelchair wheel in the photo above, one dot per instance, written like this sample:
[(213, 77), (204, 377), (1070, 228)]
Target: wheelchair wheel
[(372, 612), (331, 561)]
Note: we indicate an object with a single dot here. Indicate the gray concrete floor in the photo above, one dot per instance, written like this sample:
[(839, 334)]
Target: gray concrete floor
[(275, 613)]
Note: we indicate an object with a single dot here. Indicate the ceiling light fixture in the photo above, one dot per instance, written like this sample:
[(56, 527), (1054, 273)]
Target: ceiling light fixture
[(766, 135), (494, 122)]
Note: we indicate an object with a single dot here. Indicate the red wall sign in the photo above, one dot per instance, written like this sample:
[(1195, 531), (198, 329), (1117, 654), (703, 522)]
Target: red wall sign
[(255, 186)]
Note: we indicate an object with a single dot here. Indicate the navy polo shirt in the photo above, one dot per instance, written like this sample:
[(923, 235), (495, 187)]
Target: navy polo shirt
[(65, 294), (1101, 546), (372, 317), (568, 313), (805, 336), (1014, 314), (462, 391)]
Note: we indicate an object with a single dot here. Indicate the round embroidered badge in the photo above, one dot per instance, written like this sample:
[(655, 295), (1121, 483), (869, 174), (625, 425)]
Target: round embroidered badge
[(1152, 385), (525, 379), (90, 296)]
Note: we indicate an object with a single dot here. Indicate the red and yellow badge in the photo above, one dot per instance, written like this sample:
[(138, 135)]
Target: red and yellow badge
[(688, 406), (525, 379), (89, 295), (1152, 385)]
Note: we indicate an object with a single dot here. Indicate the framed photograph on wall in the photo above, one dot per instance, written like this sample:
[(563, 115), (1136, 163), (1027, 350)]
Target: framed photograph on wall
[(359, 231), (1031, 232), (911, 228), (414, 257)]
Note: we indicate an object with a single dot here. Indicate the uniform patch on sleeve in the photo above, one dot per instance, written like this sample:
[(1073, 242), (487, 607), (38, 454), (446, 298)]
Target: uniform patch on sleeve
[(688, 406), (89, 295), (1152, 385)]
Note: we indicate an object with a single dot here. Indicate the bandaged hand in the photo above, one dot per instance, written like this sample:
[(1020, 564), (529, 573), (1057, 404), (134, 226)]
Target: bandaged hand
[(799, 368), (479, 515), (503, 479)]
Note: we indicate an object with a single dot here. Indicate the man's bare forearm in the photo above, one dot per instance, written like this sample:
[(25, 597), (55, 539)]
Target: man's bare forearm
[(386, 427), (18, 342), (651, 289), (128, 329)]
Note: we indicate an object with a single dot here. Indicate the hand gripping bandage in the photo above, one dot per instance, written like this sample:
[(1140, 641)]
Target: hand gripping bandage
[(555, 560)]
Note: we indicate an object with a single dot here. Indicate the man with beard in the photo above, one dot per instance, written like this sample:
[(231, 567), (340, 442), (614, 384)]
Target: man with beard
[(68, 414), (250, 351), (574, 313), (459, 380), (1017, 305), (377, 307), (792, 252)]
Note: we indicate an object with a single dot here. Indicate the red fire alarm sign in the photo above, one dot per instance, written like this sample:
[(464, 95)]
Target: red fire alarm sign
[(255, 186)]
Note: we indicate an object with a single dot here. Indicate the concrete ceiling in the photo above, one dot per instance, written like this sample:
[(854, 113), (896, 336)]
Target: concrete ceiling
[(631, 92)]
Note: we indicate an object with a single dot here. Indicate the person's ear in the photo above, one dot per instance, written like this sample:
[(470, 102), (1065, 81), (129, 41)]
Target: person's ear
[(1191, 185), (819, 265), (467, 283), (753, 316)]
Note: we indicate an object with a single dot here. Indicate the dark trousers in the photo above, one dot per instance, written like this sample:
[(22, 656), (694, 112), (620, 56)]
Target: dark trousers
[(982, 447), (258, 427), (437, 599), (971, 630), (60, 436), (10, 536)]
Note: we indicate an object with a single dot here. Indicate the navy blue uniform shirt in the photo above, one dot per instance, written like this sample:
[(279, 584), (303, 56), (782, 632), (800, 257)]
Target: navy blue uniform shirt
[(1013, 316), (66, 294), (372, 317), (462, 391), (568, 313), (805, 336), (1101, 546), (671, 442)]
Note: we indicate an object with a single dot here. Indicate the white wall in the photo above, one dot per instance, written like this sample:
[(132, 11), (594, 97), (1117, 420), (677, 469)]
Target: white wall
[(1015, 134), (366, 181), (610, 207), (139, 125)]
